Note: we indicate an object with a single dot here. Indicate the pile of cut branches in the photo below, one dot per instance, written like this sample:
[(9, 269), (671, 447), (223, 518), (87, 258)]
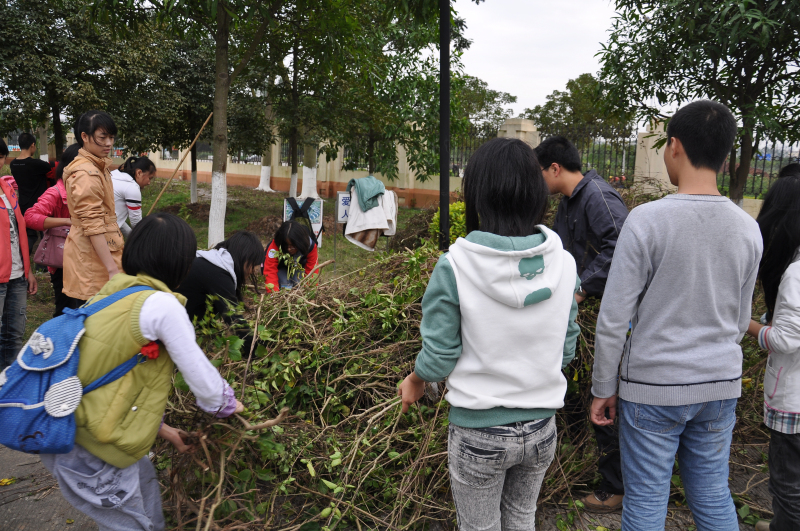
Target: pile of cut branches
[(323, 443)]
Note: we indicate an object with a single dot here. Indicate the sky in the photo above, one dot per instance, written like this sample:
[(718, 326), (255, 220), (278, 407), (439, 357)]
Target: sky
[(529, 48)]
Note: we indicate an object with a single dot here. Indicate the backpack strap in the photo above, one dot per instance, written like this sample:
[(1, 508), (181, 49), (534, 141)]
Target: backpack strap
[(306, 206), (94, 307), (116, 373), (295, 207)]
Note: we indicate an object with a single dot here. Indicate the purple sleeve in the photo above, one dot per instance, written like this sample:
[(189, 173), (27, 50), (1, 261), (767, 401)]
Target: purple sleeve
[(230, 403)]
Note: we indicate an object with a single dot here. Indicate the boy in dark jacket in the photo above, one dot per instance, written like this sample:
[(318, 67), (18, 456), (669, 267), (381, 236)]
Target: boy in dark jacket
[(588, 221)]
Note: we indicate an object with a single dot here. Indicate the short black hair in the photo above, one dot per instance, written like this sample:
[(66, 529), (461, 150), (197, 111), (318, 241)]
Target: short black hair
[(137, 163), (247, 251), (66, 159), (295, 233), (792, 168), (3, 148), (26, 140), (92, 121), (707, 129), (504, 191), (162, 246), (779, 221), (559, 150)]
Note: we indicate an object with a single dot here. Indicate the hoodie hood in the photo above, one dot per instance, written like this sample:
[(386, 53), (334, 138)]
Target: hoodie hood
[(515, 271), (220, 258)]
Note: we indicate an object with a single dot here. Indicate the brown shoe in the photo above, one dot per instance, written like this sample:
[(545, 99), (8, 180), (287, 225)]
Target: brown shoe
[(762, 525), (602, 502)]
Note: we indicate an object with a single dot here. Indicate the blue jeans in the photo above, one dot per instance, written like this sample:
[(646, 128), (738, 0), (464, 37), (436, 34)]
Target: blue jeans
[(13, 305), (496, 473), (700, 434)]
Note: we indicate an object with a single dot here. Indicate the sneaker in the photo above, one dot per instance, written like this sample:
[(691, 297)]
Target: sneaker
[(602, 502), (762, 525)]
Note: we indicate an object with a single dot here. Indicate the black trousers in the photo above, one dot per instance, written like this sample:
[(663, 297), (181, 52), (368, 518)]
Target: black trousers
[(74, 304), (784, 480), (609, 464), (61, 300)]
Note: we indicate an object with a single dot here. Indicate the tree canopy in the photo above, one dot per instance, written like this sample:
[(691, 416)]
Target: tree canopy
[(743, 53)]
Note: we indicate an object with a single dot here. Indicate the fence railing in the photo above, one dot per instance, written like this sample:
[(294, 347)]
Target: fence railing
[(243, 158), (463, 146), (286, 154), (764, 168)]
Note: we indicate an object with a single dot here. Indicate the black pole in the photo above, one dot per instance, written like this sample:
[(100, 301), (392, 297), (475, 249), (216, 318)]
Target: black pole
[(444, 124)]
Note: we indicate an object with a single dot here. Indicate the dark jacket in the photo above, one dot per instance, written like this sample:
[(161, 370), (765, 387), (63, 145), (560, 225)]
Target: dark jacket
[(205, 279), (589, 223)]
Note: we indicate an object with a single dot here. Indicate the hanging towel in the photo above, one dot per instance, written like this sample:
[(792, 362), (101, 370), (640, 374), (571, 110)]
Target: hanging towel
[(364, 228), (369, 190)]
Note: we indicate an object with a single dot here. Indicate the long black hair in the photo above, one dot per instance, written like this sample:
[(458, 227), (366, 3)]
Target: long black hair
[(779, 221), (92, 121), (504, 191), (294, 233), (162, 246), (137, 163), (66, 159), (247, 251)]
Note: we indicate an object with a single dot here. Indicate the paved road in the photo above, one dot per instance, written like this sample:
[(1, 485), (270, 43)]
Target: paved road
[(34, 502)]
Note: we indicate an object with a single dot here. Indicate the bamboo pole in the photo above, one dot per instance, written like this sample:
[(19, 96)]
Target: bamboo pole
[(179, 164)]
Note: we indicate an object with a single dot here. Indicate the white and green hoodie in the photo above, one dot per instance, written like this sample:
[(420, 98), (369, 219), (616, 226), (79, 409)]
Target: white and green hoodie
[(498, 321)]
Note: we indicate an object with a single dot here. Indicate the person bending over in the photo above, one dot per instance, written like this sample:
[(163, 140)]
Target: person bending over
[(129, 179), (291, 255)]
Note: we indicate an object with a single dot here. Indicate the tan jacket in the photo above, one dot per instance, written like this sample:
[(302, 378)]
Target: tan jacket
[(90, 198)]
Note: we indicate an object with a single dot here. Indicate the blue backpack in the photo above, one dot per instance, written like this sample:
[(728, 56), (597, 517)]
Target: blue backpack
[(40, 391)]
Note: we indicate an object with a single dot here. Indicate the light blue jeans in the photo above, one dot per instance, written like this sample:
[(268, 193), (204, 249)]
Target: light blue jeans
[(13, 308), (496, 473), (700, 434)]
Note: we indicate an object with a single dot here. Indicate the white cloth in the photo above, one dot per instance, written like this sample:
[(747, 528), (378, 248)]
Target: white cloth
[(530, 290), (782, 339), (364, 228), (220, 258), (164, 318), (17, 266), (127, 200)]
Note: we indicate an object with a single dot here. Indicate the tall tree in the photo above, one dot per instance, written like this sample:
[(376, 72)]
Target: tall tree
[(743, 53), (250, 20)]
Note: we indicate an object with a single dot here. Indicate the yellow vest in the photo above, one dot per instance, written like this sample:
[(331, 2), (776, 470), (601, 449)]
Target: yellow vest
[(118, 422)]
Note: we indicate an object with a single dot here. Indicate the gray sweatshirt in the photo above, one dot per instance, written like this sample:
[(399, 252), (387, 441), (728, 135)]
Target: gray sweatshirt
[(683, 275)]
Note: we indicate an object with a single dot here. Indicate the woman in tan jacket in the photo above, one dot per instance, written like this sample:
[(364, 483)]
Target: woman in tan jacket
[(93, 250)]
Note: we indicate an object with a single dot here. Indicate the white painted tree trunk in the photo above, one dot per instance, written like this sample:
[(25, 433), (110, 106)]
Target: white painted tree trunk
[(219, 200), (309, 182), (263, 185), (193, 194), (293, 186)]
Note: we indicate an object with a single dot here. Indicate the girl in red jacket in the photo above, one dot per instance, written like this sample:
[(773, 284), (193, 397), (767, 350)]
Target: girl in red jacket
[(293, 239), (51, 211)]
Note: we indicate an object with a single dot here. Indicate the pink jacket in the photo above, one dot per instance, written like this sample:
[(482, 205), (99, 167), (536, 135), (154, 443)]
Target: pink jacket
[(51, 204)]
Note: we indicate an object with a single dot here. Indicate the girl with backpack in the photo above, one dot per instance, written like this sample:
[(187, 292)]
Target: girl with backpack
[(129, 179), (93, 250), (220, 273), (117, 423), (498, 321), (49, 212), (779, 273), (292, 239)]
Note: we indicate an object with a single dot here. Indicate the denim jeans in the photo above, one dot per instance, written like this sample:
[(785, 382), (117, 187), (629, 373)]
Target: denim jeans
[(496, 473), (700, 434), (784, 480), (13, 305)]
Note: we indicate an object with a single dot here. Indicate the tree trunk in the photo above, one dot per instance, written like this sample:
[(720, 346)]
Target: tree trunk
[(58, 131), (293, 155), (219, 167), (309, 171), (266, 157), (193, 194), (739, 177), (371, 153)]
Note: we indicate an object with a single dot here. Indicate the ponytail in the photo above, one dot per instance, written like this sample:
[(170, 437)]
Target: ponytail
[(137, 163)]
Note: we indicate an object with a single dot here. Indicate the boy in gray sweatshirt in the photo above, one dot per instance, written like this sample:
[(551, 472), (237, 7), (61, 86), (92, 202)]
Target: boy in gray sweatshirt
[(683, 275)]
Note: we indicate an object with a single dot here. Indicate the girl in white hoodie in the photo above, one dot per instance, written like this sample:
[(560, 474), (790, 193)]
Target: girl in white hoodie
[(779, 272), (498, 321)]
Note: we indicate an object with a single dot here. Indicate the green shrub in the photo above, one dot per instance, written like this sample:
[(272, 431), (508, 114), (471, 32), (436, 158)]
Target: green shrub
[(458, 222)]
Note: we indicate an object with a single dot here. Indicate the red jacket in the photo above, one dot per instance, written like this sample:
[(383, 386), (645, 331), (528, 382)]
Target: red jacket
[(271, 264), (5, 235), (51, 204)]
